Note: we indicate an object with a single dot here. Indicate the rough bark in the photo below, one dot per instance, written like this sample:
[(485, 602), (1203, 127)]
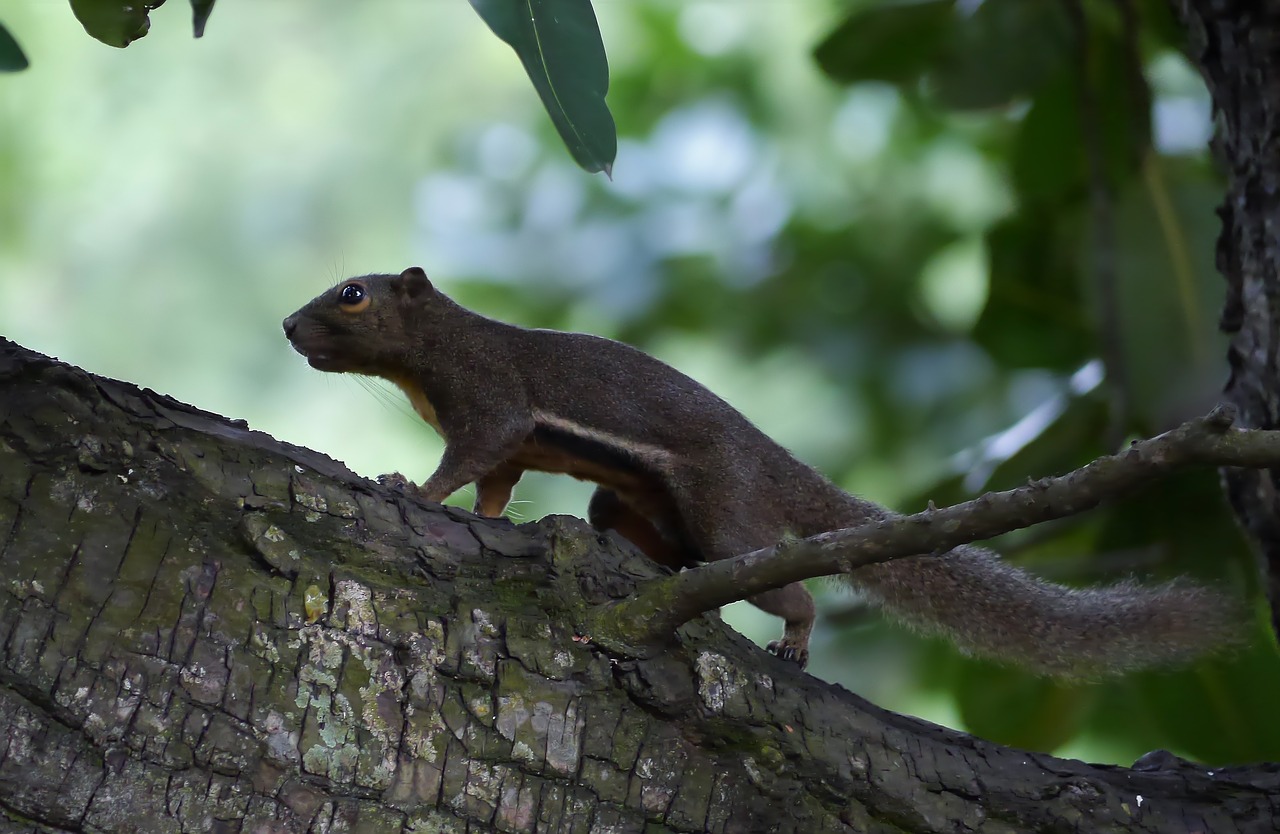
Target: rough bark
[(206, 630), (1237, 46)]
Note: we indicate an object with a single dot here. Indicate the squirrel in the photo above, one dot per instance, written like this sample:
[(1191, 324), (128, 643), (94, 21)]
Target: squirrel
[(687, 478)]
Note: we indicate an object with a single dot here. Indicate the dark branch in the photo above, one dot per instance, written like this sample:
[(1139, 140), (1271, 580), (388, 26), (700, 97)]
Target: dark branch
[(642, 622)]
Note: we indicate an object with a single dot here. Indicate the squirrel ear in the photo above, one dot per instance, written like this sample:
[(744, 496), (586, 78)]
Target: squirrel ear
[(412, 283)]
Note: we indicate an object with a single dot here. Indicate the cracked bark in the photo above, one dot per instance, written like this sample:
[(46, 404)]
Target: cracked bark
[(206, 630), (1235, 45)]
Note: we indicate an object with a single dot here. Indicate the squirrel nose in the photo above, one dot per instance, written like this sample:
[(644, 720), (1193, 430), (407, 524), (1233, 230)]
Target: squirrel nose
[(290, 325)]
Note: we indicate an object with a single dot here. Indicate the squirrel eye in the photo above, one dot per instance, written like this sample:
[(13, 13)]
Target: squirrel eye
[(351, 294)]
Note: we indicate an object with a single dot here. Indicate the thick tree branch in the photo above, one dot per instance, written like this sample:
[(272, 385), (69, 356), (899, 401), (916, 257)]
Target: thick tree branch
[(203, 629), (641, 623)]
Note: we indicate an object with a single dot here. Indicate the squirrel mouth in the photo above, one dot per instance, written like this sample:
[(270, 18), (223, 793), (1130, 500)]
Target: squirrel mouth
[(317, 359), (324, 361)]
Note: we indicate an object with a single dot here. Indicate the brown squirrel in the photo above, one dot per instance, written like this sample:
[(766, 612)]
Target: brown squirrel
[(687, 478)]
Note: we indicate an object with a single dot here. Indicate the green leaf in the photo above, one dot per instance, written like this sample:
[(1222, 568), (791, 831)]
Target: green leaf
[(1035, 316), (11, 57), (558, 41), (1070, 441), (1168, 290), (115, 22), (894, 42), (1002, 52), (1232, 697), (1185, 527), (1010, 706), (1050, 164), (1160, 24), (200, 11)]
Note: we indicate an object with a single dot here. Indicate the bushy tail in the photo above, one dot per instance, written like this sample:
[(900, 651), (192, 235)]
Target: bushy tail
[(988, 607)]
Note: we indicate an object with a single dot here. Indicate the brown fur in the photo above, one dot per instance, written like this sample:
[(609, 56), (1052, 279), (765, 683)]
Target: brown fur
[(688, 478)]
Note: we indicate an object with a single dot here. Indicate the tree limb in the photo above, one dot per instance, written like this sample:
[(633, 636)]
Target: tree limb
[(203, 629)]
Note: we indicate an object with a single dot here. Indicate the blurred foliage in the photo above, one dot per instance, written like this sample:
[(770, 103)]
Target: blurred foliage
[(898, 269)]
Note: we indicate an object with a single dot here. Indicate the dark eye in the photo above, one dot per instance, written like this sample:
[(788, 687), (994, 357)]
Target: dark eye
[(352, 294)]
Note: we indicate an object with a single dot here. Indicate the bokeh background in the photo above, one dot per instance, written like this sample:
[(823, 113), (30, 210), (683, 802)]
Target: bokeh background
[(891, 260)]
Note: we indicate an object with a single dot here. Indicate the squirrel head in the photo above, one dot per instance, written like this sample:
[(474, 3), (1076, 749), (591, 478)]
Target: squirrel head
[(365, 324)]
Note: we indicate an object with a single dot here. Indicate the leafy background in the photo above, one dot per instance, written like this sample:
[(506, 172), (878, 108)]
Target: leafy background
[(933, 248)]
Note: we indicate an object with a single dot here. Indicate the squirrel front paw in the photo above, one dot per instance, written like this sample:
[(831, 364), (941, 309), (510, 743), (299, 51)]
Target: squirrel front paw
[(397, 482), (786, 650)]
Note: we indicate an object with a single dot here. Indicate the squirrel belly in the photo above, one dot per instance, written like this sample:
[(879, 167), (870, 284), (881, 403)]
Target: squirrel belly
[(687, 478)]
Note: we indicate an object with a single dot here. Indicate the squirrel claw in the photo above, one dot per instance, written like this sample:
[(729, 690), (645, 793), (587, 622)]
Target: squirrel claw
[(786, 651)]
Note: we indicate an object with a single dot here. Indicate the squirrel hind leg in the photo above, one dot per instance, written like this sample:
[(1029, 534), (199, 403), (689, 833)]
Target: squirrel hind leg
[(493, 491), (794, 604), (608, 511), (723, 527)]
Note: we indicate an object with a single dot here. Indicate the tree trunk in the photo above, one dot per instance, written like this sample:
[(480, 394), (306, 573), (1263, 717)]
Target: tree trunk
[(206, 630), (1236, 46)]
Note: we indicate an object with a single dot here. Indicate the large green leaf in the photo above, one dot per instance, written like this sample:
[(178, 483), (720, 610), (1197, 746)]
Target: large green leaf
[(558, 41), (1050, 161), (1002, 52), (1048, 165), (1168, 292), (1183, 526), (115, 22), (1035, 316), (1010, 706), (1187, 527), (894, 42), (1066, 441), (1232, 698), (11, 57), (200, 11)]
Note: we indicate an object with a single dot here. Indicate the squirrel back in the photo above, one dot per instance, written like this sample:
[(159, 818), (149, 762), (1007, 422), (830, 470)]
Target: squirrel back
[(688, 478)]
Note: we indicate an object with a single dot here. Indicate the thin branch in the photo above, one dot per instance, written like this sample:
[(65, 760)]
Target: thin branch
[(640, 623)]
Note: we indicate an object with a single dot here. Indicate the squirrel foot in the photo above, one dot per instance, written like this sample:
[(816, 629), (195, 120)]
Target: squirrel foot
[(788, 651), (396, 481)]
